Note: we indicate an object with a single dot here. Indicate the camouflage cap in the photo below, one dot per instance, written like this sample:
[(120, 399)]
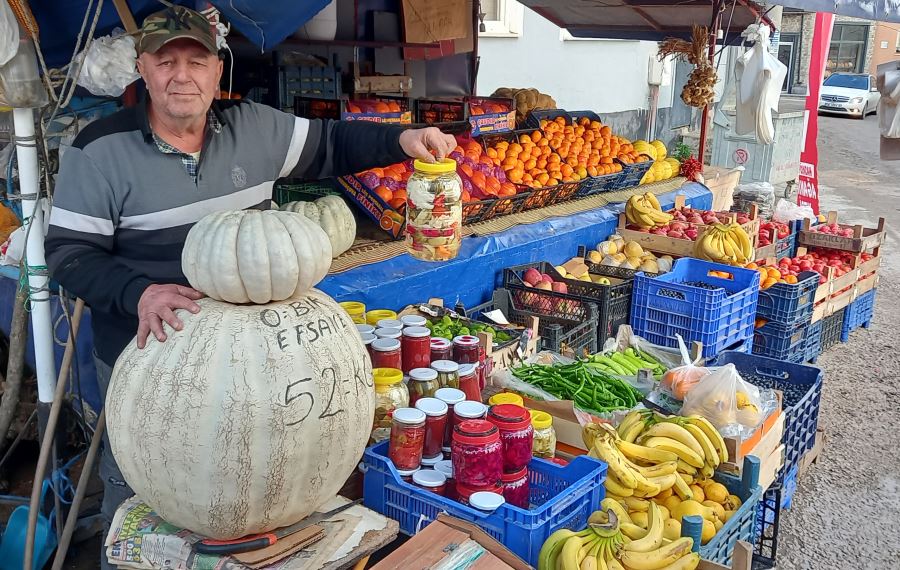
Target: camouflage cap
[(173, 23)]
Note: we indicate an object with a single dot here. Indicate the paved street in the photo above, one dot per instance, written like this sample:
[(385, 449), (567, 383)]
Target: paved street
[(846, 512)]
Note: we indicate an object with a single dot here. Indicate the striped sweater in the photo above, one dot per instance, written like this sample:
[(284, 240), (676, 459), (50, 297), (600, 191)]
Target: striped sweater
[(122, 208)]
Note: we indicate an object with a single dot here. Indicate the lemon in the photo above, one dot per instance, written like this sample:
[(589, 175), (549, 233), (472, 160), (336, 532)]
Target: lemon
[(716, 492), (672, 503), (672, 529), (709, 531), (699, 495), (640, 518), (716, 507)]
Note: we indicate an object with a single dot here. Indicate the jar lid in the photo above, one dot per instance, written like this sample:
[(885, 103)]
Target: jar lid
[(541, 420), (465, 340), (422, 374), (445, 466), (450, 396), (464, 491), (375, 315), (475, 432), (388, 333), (513, 476), (416, 332), (438, 342), (440, 166), (432, 407), (445, 366), (389, 324), (385, 344), (429, 478), (387, 376), (470, 409), (466, 370), (409, 473), (365, 329), (509, 417), (506, 398), (432, 461), (408, 416), (368, 338), (413, 320), (353, 307), (486, 501)]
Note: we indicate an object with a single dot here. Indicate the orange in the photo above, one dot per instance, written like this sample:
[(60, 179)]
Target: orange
[(526, 178), (400, 193), (397, 204), (791, 279), (552, 182), (491, 153), (751, 265), (592, 170), (536, 136), (384, 193), (478, 179), (769, 282), (394, 107), (774, 273), (515, 175), (543, 178)]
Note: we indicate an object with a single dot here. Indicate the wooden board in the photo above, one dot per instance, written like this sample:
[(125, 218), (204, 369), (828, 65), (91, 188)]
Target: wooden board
[(812, 456), (655, 243), (771, 466), (863, 238), (737, 449), (764, 447)]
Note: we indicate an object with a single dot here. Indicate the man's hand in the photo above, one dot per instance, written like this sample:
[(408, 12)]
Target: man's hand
[(158, 304), (418, 143)]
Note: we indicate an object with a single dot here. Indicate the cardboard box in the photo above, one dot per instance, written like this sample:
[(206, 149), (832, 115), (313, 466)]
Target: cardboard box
[(738, 449), (433, 543), (387, 218)]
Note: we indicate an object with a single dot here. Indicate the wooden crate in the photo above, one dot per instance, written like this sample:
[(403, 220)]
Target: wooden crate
[(657, 244), (863, 238), (766, 252), (751, 227), (738, 449)]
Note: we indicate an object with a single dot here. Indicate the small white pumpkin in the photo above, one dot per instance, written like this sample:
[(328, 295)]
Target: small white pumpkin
[(247, 419), (255, 256), (308, 209), (338, 222)]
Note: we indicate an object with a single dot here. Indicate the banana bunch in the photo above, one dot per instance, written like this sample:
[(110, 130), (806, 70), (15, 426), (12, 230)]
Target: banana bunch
[(727, 244), (605, 546), (645, 211)]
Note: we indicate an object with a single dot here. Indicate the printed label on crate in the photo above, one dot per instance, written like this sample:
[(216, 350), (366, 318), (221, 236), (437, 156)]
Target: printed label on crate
[(403, 118), (388, 219), (493, 123)]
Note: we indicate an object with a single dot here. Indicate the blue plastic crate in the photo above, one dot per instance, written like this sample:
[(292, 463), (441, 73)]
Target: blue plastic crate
[(813, 346), (632, 174), (534, 118), (789, 304), (719, 317), (768, 517), (782, 342), (596, 184), (802, 389), (740, 526), (789, 486), (858, 314), (832, 326), (561, 497)]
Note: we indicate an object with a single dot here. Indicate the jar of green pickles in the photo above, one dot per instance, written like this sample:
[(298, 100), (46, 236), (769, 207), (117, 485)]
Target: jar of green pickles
[(544, 443), (434, 211), (390, 394)]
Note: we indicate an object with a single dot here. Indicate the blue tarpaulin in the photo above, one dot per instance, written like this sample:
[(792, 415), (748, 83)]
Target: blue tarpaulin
[(263, 23)]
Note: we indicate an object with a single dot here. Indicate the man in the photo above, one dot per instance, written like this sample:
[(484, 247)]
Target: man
[(134, 183)]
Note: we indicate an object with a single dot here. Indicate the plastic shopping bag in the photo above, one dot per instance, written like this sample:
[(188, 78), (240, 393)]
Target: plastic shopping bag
[(109, 65), (9, 33), (679, 381), (788, 211), (722, 397)]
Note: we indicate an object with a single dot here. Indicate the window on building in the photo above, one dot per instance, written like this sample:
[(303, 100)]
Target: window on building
[(847, 53), (502, 18)]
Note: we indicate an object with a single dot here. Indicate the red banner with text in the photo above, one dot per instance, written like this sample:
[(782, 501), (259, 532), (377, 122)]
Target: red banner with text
[(809, 156)]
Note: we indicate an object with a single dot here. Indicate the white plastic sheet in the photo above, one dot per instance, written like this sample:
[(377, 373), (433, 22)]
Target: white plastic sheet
[(759, 78), (109, 65), (9, 33), (889, 105)]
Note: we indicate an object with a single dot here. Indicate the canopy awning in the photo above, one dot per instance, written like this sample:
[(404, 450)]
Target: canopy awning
[(652, 20), (879, 10)]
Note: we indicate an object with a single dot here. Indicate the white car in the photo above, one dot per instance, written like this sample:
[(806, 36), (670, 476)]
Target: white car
[(849, 94)]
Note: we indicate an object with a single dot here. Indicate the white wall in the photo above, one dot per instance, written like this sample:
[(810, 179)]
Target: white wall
[(605, 76)]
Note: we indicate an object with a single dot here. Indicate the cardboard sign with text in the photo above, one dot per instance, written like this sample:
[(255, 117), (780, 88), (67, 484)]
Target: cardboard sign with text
[(426, 22)]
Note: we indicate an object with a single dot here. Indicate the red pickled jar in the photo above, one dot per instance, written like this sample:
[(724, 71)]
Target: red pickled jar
[(469, 383), (516, 488), (468, 410), (407, 438), (430, 480), (368, 339), (445, 466), (463, 492), (435, 424), (413, 321), (441, 349), (386, 353), (477, 454), (388, 333), (516, 434), (451, 397), (416, 345), (465, 349), (389, 324)]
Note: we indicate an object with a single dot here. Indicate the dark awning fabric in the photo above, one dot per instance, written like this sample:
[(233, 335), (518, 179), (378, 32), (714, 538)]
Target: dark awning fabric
[(878, 10), (263, 23), (652, 20)]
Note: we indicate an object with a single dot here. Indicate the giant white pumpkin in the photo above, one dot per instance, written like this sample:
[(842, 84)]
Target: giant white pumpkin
[(245, 420), (255, 256), (332, 214)]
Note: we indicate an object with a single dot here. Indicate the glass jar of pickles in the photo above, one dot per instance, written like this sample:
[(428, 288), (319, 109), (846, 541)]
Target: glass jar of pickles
[(390, 394), (448, 373), (423, 383), (544, 442), (434, 211)]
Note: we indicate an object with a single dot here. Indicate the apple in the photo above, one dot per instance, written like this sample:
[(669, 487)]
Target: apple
[(559, 287), (806, 265), (677, 234), (696, 219), (658, 231), (546, 278), (691, 233), (743, 219), (678, 226), (544, 286), (532, 276)]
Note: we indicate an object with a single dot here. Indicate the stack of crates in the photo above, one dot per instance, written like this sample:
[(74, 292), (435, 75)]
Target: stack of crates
[(784, 313)]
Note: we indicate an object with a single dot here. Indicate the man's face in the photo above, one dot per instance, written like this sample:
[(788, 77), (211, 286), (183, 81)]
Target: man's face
[(182, 78)]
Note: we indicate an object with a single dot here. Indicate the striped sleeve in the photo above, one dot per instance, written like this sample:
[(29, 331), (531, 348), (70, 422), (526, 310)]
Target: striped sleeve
[(80, 240)]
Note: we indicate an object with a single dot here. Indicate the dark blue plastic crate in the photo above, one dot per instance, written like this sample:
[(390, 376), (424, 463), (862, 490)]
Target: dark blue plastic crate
[(801, 386), (858, 314), (597, 184), (813, 342), (534, 118), (768, 515), (789, 486), (561, 497), (667, 305), (789, 304), (633, 173), (741, 524), (832, 327), (782, 342)]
